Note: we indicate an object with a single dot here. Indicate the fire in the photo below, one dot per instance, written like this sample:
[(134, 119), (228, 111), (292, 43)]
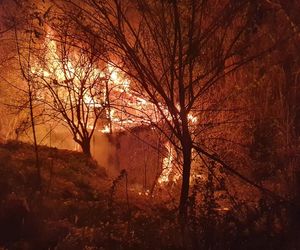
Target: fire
[(106, 129), (115, 78), (168, 164), (192, 118), (126, 109)]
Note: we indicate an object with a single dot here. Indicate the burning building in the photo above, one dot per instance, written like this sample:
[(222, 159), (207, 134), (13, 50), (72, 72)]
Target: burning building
[(100, 103)]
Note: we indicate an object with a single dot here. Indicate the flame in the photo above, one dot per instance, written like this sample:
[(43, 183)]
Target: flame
[(121, 83), (105, 130), (127, 108), (167, 165), (192, 118)]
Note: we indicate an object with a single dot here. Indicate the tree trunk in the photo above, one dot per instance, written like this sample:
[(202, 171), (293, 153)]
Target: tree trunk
[(37, 163), (86, 147), (187, 160)]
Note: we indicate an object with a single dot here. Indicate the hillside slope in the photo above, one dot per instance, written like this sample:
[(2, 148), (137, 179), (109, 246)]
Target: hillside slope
[(73, 188), (79, 207)]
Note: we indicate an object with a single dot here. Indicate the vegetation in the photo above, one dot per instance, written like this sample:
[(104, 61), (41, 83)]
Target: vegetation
[(81, 208), (203, 95)]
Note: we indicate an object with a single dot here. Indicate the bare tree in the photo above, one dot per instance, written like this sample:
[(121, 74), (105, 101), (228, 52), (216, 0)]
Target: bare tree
[(177, 53), (25, 60), (71, 82)]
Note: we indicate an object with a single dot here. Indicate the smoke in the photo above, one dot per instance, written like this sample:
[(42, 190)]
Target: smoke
[(102, 147), (104, 152)]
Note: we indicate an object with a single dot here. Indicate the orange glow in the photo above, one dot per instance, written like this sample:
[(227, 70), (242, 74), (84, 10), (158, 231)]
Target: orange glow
[(127, 109)]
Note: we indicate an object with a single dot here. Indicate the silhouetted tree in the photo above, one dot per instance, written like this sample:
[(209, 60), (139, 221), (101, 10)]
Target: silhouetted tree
[(177, 53), (71, 81)]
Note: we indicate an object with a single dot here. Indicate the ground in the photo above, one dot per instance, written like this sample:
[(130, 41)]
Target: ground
[(79, 206)]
